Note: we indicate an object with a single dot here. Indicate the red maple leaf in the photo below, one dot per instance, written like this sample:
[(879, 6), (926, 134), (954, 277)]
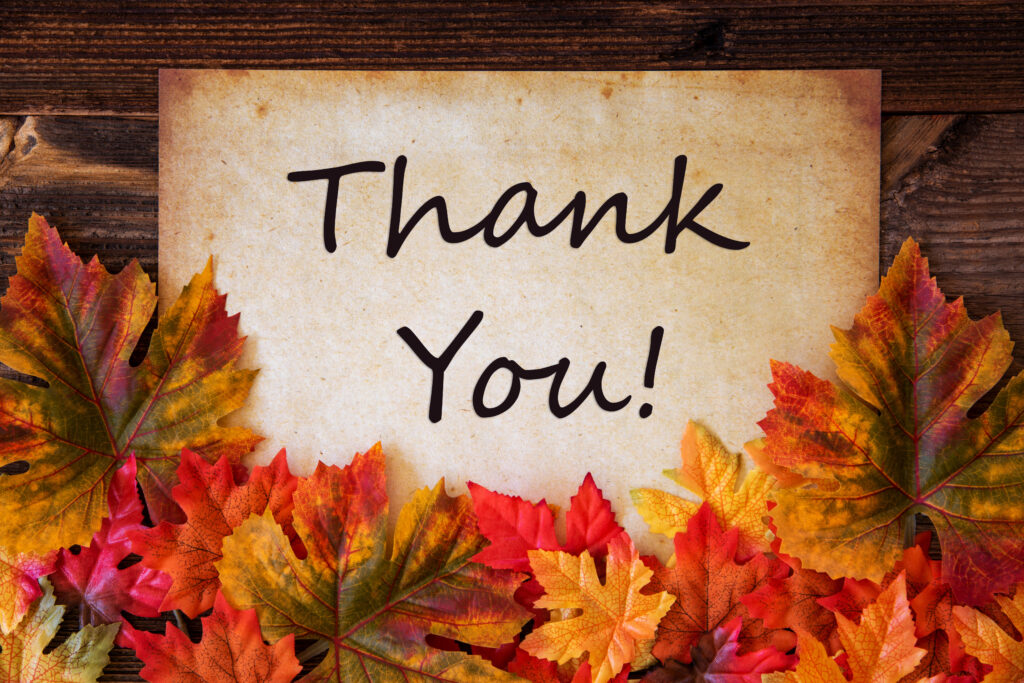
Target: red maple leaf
[(91, 578)]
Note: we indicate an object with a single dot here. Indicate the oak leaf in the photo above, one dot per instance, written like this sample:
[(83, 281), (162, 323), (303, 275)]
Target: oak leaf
[(895, 439), (983, 638), (75, 326), (19, 583), (231, 650), (79, 659), (613, 617), (711, 472), (881, 648), (374, 609), (213, 504), (93, 578), (709, 584)]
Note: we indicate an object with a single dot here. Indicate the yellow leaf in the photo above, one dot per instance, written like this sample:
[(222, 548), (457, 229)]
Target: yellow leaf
[(713, 473), (79, 659), (609, 621), (983, 638)]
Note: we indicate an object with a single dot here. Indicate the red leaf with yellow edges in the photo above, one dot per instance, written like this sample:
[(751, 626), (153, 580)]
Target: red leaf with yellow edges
[(609, 620), (75, 326), (373, 608), (709, 584), (895, 439), (213, 504), (881, 648), (91, 578), (231, 651)]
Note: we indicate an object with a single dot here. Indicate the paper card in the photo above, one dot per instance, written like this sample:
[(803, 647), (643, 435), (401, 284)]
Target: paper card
[(603, 256)]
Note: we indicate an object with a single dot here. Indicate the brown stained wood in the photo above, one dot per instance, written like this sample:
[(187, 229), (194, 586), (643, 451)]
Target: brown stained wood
[(906, 140), (955, 183), (102, 57)]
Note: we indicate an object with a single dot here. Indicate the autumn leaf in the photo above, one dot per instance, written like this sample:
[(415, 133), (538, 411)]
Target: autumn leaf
[(709, 584), (373, 608), (79, 659), (880, 648), (716, 659), (795, 602), (614, 616), (213, 504), (712, 473), (984, 639), (515, 526), (231, 651), (895, 439), (19, 584), (92, 578), (75, 326)]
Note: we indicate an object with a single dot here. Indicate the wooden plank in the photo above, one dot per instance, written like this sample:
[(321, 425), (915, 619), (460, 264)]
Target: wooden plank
[(101, 58), (954, 183)]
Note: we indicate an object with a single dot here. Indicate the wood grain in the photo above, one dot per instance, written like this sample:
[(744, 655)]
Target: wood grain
[(102, 57), (956, 183)]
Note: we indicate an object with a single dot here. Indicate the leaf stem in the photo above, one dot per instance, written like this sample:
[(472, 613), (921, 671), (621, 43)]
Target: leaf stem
[(181, 620), (84, 615), (313, 650)]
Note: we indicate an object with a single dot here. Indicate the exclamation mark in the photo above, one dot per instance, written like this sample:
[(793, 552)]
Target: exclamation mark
[(652, 366)]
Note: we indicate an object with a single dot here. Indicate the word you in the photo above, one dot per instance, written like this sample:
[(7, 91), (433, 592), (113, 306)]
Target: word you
[(438, 365)]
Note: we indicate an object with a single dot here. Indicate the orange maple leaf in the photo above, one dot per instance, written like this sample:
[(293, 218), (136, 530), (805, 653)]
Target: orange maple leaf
[(881, 648), (709, 583), (895, 439), (614, 616), (984, 639), (373, 609), (214, 504), (231, 651), (713, 473), (75, 326)]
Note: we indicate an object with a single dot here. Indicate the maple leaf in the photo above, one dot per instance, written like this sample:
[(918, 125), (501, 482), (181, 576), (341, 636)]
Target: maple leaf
[(614, 616), (19, 583), (983, 638), (880, 648), (716, 659), (213, 504), (795, 602), (92, 580), (711, 472), (709, 584), (75, 326), (79, 659), (515, 526), (231, 649), (374, 609), (895, 439)]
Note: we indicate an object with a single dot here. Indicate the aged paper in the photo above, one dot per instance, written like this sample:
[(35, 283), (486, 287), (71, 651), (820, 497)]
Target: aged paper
[(796, 158)]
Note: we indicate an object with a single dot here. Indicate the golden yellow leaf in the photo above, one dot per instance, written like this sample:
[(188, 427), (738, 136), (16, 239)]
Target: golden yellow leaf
[(608, 621)]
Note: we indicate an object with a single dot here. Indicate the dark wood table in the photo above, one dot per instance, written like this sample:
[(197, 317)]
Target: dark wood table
[(78, 98)]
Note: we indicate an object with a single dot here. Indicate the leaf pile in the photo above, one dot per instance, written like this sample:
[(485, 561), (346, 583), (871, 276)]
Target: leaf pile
[(792, 569)]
